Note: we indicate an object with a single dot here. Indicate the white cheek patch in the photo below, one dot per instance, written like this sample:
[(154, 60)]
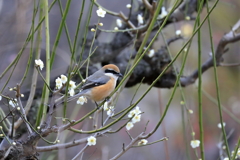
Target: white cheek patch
[(111, 75)]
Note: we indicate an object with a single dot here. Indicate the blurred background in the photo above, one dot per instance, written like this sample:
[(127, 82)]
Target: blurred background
[(15, 23)]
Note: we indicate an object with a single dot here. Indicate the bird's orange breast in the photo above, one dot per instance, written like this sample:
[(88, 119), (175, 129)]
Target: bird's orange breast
[(101, 92)]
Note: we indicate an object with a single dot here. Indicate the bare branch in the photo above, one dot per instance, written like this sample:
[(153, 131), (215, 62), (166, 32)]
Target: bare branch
[(67, 145), (127, 147), (230, 37), (61, 146)]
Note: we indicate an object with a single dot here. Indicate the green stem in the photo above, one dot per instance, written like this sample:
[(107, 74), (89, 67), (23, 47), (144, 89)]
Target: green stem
[(149, 30), (24, 46), (223, 107), (45, 95), (62, 24), (178, 77), (150, 87), (138, 59), (86, 31), (90, 50), (217, 85), (200, 88), (236, 149), (78, 27), (37, 56), (31, 48), (65, 26)]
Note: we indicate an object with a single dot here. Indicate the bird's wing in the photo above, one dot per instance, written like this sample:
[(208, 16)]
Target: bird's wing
[(94, 81)]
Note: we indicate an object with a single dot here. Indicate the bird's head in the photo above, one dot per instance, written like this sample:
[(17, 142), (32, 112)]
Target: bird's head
[(112, 71)]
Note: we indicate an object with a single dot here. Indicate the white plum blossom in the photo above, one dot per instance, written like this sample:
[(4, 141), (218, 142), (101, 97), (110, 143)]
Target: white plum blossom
[(131, 114), (116, 28), (109, 109), (140, 19), (195, 143), (58, 82), (72, 85), (110, 112), (220, 125), (39, 63), (151, 53), (128, 5), (136, 118), (91, 141), (210, 54), (13, 103), (71, 92), (64, 79), (119, 22), (163, 13), (188, 18), (182, 102), (137, 110), (0, 98), (129, 126), (81, 100), (101, 12), (105, 106), (143, 142), (178, 32), (190, 111)]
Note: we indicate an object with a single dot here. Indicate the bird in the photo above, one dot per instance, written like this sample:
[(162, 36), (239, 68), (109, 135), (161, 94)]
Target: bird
[(100, 84)]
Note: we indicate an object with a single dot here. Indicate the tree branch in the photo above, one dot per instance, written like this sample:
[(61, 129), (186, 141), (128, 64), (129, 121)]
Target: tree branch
[(230, 37)]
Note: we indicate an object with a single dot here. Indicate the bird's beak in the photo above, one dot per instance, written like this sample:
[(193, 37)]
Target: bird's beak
[(120, 75)]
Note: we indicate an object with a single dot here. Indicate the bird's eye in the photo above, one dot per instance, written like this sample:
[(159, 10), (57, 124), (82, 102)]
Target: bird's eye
[(110, 71)]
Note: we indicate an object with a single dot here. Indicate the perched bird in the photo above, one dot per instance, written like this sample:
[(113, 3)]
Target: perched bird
[(101, 84)]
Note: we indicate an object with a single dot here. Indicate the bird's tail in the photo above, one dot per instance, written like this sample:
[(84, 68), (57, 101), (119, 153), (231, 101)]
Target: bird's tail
[(81, 93)]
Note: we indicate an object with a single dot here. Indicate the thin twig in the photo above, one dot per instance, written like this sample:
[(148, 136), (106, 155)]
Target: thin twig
[(30, 97), (147, 4), (22, 109), (160, 140), (126, 148), (61, 146), (229, 64), (80, 153), (67, 145)]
